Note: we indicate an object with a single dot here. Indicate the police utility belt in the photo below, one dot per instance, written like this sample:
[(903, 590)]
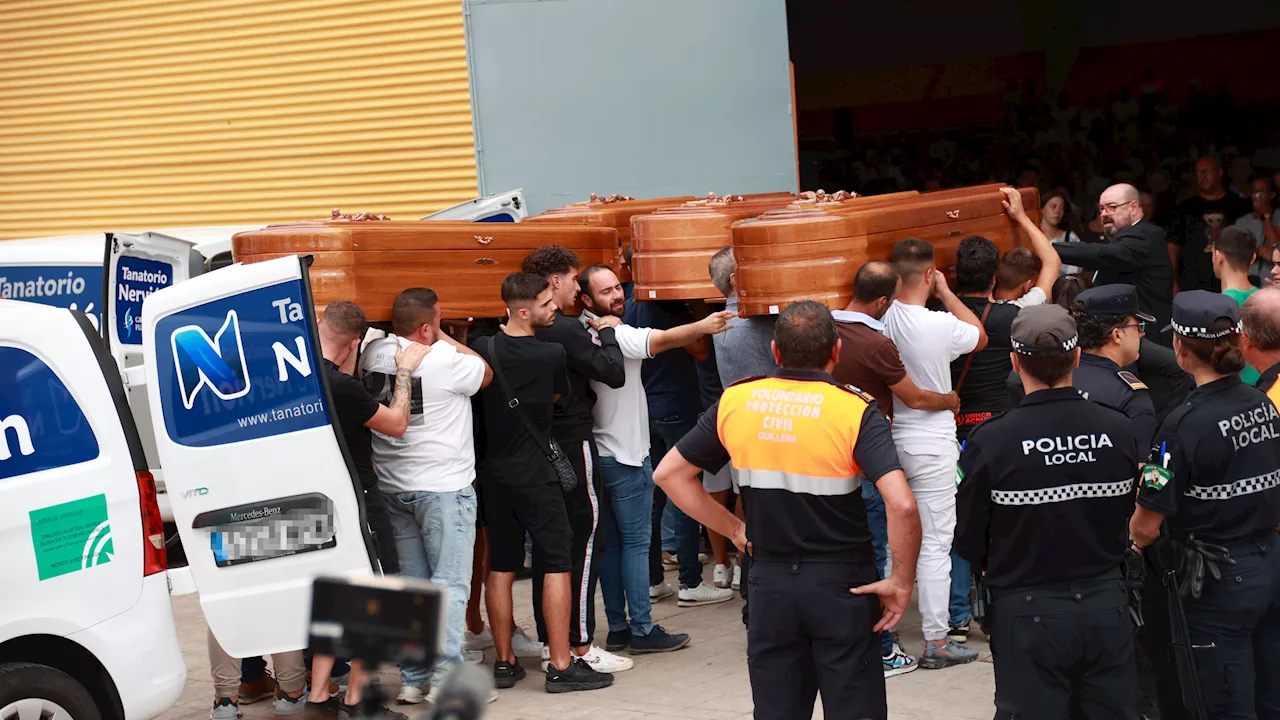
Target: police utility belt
[(1192, 560)]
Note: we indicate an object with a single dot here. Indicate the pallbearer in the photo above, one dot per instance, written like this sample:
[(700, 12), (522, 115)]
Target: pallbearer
[(797, 442), (1214, 482), (1046, 490)]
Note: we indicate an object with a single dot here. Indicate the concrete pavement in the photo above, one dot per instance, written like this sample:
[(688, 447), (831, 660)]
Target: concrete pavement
[(706, 680)]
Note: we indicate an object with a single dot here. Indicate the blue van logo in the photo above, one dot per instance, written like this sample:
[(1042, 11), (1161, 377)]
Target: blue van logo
[(218, 363), (41, 425), (239, 367)]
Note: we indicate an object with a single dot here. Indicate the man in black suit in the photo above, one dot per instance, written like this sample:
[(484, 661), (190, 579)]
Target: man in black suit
[(1136, 255)]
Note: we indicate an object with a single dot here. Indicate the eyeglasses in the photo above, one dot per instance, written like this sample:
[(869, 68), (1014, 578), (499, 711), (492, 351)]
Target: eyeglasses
[(1110, 208), (1141, 325)]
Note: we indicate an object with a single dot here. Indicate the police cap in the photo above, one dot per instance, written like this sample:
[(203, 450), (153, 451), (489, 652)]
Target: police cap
[(1036, 321), (1112, 301), (1195, 312)]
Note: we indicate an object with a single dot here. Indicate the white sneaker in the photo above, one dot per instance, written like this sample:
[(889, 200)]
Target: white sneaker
[(722, 575), (524, 646), (737, 577), (598, 659), (473, 656), (660, 591), (482, 640), (669, 561), (704, 594), (410, 695)]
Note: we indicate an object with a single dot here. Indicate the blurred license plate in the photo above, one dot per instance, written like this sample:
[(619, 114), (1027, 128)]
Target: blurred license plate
[(297, 530)]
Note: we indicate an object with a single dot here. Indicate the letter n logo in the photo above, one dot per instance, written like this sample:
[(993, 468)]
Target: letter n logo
[(218, 363)]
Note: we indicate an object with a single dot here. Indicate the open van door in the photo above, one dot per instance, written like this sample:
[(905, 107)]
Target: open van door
[(503, 207), (261, 484), (136, 266)]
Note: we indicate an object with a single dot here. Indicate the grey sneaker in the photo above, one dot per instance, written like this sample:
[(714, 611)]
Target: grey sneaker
[(953, 653), (224, 709), (285, 705)]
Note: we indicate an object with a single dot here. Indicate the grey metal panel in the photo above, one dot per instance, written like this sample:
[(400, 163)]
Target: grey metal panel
[(647, 98)]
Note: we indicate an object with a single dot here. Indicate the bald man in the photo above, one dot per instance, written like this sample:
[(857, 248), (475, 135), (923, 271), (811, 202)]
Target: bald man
[(1136, 255), (1260, 342)]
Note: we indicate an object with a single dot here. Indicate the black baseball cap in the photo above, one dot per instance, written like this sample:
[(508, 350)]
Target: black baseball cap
[(1195, 312), (1112, 301), (1033, 322)]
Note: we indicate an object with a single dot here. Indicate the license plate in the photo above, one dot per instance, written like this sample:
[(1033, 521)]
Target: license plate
[(294, 531)]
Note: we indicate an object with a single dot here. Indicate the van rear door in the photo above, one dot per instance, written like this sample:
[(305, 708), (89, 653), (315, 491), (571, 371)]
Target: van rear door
[(136, 266), (259, 478), (503, 207), (71, 535)]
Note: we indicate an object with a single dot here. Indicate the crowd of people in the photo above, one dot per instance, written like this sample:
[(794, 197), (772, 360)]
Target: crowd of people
[(600, 449)]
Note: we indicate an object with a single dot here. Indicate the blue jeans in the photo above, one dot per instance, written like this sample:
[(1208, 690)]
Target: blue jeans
[(624, 571), (663, 435), (435, 537), (878, 523), (959, 607)]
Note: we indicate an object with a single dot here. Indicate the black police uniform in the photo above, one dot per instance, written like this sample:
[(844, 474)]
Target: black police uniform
[(1046, 491), (1214, 475)]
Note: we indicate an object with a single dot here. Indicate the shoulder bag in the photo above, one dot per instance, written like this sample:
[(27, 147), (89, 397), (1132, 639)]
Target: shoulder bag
[(559, 461)]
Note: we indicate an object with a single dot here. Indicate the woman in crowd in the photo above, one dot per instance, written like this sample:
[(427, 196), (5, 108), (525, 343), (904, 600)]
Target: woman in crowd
[(1059, 224)]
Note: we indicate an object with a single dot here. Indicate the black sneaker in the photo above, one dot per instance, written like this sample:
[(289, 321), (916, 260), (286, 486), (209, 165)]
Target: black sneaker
[(578, 676), (957, 632), (354, 712), (507, 674), (327, 707), (618, 639), (657, 641)]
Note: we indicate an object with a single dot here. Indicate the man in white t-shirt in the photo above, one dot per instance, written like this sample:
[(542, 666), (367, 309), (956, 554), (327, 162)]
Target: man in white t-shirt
[(622, 434), (427, 474), (928, 341)]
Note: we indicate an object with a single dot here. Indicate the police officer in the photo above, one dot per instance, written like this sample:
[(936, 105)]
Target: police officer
[(1213, 481), (1111, 328), (797, 443), (1046, 490)]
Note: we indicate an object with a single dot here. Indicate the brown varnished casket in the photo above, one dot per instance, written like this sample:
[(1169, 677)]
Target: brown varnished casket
[(370, 262), (612, 212), (671, 247), (788, 257)]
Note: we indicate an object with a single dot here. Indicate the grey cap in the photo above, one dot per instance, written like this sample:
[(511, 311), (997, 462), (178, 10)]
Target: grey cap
[(1037, 320)]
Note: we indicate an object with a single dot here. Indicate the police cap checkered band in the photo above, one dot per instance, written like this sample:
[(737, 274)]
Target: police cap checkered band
[(1033, 322), (1195, 312)]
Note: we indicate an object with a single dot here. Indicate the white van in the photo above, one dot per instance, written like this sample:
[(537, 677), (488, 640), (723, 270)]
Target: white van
[(86, 626)]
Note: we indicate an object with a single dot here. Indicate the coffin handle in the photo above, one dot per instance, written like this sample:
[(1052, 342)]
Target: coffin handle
[(483, 240), (486, 261)]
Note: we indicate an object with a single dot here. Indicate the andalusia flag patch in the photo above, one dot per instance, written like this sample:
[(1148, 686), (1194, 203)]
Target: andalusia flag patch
[(959, 476), (1155, 477)]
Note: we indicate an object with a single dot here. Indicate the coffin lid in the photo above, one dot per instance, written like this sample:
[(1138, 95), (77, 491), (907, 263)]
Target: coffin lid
[(921, 211), (391, 235)]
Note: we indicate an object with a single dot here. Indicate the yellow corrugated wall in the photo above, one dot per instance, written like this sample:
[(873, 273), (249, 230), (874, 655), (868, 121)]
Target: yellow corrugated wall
[(140, 114)]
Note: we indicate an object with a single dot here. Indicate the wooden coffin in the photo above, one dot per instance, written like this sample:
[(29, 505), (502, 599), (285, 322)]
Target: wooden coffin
[(813, 256), (673, 246), (370, 262), (612, 212)]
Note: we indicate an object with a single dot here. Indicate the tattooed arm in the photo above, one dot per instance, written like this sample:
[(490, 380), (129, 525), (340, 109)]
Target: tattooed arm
[(394, 420)]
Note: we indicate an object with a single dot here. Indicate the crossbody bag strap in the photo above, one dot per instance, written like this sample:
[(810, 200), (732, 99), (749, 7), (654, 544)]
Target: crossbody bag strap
[(964, 371), (512, 401)]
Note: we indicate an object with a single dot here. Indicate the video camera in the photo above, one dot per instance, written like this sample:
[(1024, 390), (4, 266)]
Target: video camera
[(392, 620)]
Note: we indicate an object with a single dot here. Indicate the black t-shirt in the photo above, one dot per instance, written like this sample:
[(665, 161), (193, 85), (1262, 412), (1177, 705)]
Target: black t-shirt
[(1197, 223), (984, 390), (353, 406), (1046, 491), (535, 372), (1220, 457), (573, 421)]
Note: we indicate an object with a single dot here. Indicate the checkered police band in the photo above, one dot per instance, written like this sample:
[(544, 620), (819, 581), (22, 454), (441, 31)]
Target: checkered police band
[(1024, 349), (1247, 486), (1205, 333), (1063, 493)]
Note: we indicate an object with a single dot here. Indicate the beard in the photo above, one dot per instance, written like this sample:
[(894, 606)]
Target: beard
[(1110, 230)]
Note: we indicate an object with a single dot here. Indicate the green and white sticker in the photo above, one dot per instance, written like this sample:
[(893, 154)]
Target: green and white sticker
[(71, 536), (1155, 477)]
